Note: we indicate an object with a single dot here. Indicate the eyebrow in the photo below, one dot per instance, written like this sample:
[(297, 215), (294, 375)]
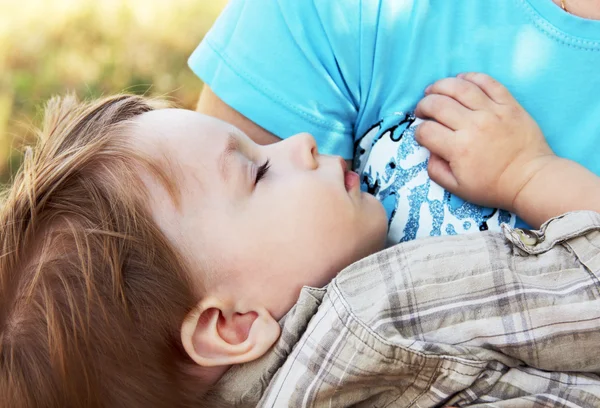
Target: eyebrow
[(231, 146)]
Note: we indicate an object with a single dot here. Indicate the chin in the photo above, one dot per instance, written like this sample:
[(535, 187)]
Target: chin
[(380, 243), (381, 226), (374, 242)]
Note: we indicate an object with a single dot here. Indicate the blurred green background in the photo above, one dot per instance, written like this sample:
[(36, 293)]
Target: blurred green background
[(94, 48)]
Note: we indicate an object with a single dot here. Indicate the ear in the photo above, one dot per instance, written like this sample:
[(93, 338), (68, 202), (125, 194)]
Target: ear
[(216, 333)]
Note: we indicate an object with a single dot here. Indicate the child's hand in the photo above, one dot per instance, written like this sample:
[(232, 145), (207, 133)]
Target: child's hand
[(484, 146)]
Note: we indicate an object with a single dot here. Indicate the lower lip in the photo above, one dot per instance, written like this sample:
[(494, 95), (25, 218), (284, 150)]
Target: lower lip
[(351, 180)]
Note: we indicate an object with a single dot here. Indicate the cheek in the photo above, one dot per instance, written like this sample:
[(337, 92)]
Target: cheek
[(310, 232), (300, 215), (338, 230), (322, 207), (322, 222)]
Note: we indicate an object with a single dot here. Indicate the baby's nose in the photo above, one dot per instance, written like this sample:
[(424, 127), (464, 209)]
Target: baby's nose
[(306, 149)]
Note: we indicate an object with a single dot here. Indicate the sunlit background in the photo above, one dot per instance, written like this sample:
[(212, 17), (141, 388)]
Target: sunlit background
[(93, 48)]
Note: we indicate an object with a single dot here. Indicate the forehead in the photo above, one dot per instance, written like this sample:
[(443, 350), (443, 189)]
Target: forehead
[(181, 132), (187, 145)]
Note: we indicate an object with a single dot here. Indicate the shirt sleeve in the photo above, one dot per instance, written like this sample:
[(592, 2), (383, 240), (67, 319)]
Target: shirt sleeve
[(290, 66)]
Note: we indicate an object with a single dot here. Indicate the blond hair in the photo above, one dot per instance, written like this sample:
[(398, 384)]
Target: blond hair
[(92, 295)]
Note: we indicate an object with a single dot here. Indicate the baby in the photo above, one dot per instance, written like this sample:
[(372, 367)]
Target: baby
[(145, 251), (150, 255)]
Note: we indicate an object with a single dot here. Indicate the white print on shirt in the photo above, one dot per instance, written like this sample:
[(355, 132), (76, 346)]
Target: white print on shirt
[(393, 167)]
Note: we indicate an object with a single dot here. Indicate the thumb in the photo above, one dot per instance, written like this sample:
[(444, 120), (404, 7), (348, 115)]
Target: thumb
[(439, 170)]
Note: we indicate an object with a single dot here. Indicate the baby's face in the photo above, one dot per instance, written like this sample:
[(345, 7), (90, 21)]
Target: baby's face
[(257, 230)]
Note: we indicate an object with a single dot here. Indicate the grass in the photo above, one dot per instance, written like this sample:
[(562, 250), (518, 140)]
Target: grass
[(92, 48)]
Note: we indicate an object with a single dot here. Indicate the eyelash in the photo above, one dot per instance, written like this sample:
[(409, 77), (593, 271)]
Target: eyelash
[(262, 171)]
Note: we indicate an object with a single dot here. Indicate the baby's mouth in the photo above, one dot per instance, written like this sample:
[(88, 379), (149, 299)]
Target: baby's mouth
[(351, 180)]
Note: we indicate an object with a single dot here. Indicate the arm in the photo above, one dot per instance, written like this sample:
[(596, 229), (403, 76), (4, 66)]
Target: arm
[(558, 187), (210, 104), (486, 149), (275, 63)]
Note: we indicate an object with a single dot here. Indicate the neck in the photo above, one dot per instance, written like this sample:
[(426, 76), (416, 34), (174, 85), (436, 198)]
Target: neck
[(589, 9), (208, 375)]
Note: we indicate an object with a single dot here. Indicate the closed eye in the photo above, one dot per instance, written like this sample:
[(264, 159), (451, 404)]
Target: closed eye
[(262, 171)]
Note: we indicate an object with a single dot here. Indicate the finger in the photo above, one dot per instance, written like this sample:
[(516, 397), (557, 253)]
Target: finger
[(440, 172), (492, 88), (443, 109), (467, 93), (437, 138)]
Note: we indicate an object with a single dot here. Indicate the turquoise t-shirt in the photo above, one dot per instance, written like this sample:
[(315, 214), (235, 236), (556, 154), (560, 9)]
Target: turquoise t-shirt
[(340, 69)]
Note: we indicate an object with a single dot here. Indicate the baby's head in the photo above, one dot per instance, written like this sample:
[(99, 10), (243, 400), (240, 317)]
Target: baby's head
[(146, 250)]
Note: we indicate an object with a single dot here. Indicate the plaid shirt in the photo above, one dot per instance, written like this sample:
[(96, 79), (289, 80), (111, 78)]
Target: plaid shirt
[(506, 319)]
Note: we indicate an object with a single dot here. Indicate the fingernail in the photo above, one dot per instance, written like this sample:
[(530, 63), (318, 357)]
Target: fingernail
[(428, 89), (461, 76)]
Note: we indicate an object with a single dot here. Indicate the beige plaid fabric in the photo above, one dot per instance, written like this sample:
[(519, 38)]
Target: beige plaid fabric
[(506, 319)]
